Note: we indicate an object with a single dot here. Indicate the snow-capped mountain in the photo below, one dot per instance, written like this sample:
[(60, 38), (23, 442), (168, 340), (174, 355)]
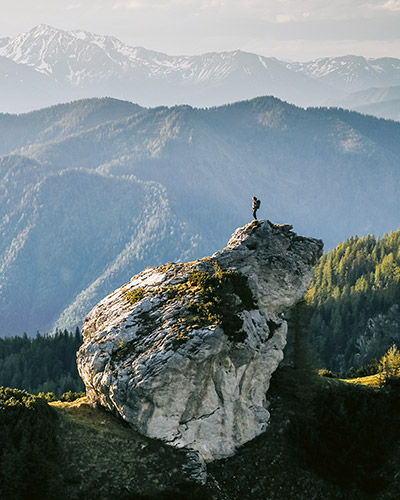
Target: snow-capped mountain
[(352, 73), (79, 57), (103, 64), (78, 64), (73, 57)]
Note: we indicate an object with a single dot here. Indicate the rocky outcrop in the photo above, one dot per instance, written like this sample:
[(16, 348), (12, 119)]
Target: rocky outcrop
[(185, 352)]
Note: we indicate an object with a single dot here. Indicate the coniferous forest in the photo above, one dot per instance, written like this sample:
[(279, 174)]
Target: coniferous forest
[(45, 363), (354, 302)]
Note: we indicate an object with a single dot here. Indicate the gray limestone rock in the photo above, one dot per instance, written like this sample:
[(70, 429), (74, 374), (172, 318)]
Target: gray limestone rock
[(185, 352)]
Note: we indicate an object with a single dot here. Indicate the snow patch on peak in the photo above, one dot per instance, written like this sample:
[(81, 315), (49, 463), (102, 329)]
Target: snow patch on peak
[(81, 35)]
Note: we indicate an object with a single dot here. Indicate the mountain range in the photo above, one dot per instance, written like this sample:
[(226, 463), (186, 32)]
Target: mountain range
[(46, 66), (93, 191), (376, 101)]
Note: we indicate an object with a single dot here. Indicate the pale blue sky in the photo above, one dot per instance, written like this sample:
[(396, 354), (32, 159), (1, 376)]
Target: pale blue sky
[(286, 29)]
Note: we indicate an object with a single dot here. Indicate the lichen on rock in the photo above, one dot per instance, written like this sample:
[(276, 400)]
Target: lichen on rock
[(185, 352)]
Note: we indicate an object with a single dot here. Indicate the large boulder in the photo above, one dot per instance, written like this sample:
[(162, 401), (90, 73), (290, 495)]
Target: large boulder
[(185, 352)]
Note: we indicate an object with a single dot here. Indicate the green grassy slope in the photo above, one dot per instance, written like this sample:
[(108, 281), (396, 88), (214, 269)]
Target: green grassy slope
[(103, 458)]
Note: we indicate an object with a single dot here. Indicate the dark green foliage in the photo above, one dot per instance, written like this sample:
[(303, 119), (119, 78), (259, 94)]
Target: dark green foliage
[(182, 492), (44, 364), (363, 371), (354, 302), (347, 434), (218, 304), (28, 447), (392, 387)]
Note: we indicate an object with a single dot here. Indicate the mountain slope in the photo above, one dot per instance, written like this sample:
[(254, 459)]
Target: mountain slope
[(382, 102), (353, 302), (23, 88), (387, 109), (53, 123), (369, 96), (87, 201), (101, 227)]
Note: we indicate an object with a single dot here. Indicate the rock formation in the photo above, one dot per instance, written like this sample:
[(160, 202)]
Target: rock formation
[(185, 352)]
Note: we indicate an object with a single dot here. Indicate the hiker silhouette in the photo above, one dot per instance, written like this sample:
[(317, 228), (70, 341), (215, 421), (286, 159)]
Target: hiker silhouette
[(255, 206)]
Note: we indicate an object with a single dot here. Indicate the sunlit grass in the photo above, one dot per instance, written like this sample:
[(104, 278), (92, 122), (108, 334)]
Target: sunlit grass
[(370, 380)]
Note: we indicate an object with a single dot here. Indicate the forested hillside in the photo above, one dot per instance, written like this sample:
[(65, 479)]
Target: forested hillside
[(355, 301), (94, 191)]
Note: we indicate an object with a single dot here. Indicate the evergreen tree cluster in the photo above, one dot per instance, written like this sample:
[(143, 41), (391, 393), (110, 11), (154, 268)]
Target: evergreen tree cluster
[(29, 452), (348, 434), (46, 363), (354, 313)]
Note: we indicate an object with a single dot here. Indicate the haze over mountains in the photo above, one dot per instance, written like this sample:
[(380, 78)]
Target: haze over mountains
[(47, 65), (379, 102), (93, 191)]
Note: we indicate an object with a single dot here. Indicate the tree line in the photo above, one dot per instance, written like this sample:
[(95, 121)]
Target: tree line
[(45, 363), (29, 450)]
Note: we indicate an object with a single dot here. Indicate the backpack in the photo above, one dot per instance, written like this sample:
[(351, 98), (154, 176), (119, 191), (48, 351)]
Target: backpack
[(258, 204)]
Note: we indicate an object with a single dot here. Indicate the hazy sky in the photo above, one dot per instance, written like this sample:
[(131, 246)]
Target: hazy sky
[(286, 29)]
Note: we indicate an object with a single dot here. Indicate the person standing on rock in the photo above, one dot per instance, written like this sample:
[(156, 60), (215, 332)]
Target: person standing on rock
[(255, 206)]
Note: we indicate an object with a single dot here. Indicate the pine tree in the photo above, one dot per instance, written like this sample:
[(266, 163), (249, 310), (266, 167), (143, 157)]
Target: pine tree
[(357, 281), (389, 365)]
